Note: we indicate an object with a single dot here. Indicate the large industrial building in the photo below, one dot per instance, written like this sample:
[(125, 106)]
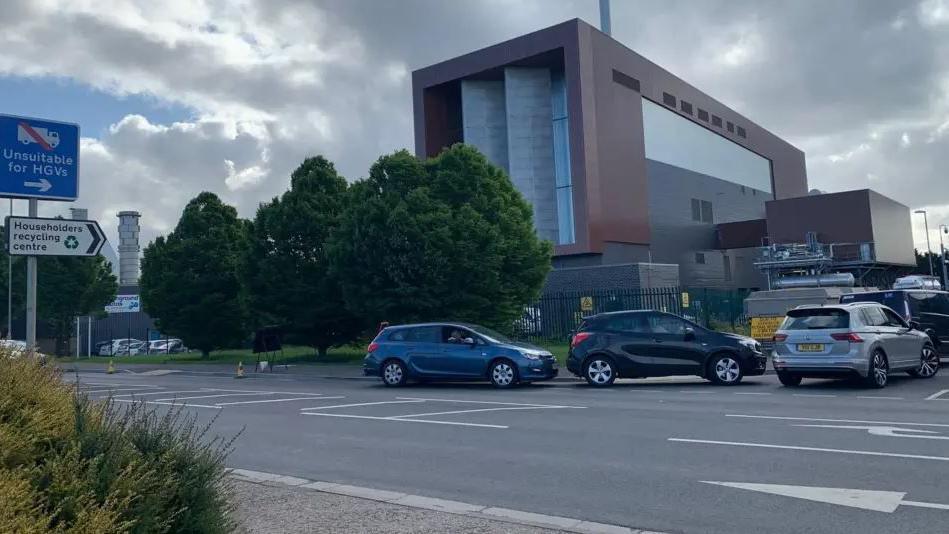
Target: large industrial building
[(629, 169)]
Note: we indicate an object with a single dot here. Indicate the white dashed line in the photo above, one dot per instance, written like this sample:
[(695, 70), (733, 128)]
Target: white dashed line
[(454, 423), (813, 449), (752, 393), (275, 400), (880, 397), (811, 395), (780, 418), (937, 395)]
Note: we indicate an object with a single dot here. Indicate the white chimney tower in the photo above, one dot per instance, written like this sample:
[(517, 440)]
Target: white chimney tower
[(128, 248)]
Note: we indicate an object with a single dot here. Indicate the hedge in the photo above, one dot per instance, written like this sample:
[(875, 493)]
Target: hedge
[(72, 465)]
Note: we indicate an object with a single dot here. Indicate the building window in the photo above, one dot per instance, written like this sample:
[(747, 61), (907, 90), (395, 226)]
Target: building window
[(717, 121), (727, 265), (742, 190), (700, 258), (685, 107), (668, 100), (741, 132), (562, 175), (731, 127), (626, 81), (703, 115), (706, 211), (696, 210)]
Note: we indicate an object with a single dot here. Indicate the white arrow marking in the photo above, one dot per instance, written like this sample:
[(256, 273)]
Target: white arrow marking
[(892, 431), (43, 185), (877, 501), (937, 395)]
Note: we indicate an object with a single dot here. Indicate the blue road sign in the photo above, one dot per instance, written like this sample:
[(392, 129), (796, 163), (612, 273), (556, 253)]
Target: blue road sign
[(38, 159)]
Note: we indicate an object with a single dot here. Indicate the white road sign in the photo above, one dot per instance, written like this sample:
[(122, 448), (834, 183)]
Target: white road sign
[(875, 500), (34, 236), (125, 304)]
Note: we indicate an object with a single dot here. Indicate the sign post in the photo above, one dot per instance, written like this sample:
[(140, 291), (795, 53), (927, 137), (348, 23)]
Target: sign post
[(40, 159)]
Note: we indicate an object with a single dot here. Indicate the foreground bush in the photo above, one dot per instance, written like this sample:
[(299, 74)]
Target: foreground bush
[(70, 465)]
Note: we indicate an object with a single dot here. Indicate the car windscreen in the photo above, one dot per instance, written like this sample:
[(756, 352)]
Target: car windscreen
[(492, 335), (816, 319)]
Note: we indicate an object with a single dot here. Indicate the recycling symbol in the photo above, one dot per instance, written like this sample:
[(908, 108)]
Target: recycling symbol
[(71, 242)]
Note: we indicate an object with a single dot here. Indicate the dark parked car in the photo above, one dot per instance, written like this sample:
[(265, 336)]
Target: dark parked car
[(928, 308), (639, 344), (454, 351)]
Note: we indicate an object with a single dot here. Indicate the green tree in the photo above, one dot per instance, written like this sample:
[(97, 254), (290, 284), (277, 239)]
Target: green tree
[(69, 287), (190, 281), (449, 237), (288, 277), (19, 286)]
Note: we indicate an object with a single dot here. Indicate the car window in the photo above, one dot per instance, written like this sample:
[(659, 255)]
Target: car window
[(398, 335), (633, 322), (667, 324), (446, 335), (918, 302), (897, 300), (816, 319), (424, 334), (892, 319), (874, 316), (940, 303)]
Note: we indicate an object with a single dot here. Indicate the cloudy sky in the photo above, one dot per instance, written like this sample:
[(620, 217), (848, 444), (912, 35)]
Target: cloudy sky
[(180, 96)]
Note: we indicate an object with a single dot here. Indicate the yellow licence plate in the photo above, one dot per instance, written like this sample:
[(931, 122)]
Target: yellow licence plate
[(810, 347)]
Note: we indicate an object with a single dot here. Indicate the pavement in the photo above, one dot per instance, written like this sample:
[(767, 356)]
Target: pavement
[(668, 455)]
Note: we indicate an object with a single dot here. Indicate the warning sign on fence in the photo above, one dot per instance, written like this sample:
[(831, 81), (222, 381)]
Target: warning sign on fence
[(765, 327), (586, 304), (685, 299)]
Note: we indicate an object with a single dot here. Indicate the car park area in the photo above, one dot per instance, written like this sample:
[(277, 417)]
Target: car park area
[(664, 454)]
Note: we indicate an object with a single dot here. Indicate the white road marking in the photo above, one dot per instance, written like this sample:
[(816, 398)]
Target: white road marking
[(402, 420), (810, 395), (478, 410), (812, 449), (637, 390), (874, 500), (169, 403), (752, 393), (360, 404), (162, 393), (272, 400), (489, 402), (693, 392), (878, 397), (99, 391), (891, 431), (835, 420), (937, 395), (212, 396)]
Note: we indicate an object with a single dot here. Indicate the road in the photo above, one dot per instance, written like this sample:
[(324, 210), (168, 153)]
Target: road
[(641, 454)]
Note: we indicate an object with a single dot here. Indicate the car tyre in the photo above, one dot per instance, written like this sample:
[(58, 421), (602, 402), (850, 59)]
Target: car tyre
[(394, 373), (725, 370), (929, 363), (789, 379), (879, 372), (503, 374), (599, 371)]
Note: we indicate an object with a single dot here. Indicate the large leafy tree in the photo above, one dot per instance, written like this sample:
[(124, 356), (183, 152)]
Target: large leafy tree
[(288, 276), (449, 237), (190, 281), (18, 282), (69, 287)]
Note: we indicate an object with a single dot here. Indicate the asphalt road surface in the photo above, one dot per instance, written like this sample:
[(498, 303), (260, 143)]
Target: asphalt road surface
[(668, 455)]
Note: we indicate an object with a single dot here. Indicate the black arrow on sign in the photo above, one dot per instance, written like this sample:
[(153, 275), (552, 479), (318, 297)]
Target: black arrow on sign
[(98, 238)]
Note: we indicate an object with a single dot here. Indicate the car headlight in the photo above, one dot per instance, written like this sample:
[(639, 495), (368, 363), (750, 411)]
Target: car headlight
[(530, 355), (751, 344)]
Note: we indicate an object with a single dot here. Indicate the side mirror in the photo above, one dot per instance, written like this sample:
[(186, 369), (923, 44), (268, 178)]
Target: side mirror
[(689, 333), (914, 325)]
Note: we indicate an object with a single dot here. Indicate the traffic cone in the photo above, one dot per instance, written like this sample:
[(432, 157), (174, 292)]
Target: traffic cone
[(111, 369), (240, 370)]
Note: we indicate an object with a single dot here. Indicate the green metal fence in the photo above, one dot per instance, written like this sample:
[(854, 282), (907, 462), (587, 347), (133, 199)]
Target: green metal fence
[(555, 316)]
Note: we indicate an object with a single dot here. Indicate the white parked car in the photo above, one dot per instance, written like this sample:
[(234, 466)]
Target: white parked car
[(123, 347)]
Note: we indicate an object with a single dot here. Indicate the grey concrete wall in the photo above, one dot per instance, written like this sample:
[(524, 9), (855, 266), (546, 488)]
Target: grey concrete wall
[(676, 237), (892, 230), (484, 120), (530, 144)]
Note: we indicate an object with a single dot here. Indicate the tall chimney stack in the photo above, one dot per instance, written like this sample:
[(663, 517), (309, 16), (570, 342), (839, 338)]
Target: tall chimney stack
[(128, 248), (79, 214), (605, 23)]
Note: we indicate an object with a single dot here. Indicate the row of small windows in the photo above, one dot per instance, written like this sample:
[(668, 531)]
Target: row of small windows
[(686, 107), (701, 210)]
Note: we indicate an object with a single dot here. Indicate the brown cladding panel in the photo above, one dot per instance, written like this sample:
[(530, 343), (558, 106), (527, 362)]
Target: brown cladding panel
[(741, 234), (836, 217)]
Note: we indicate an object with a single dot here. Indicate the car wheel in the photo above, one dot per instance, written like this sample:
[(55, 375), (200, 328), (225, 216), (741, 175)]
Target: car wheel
[(789, 380), (725, 370), (394, 373), (599, 371), (503, 374), (879, 371), (929, 363)]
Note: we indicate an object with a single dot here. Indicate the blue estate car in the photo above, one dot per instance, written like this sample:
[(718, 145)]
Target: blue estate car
[(454, 351)]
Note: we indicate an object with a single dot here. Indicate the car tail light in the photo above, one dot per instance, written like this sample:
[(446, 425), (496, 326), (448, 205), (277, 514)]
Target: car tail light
[(372, 347), (578, 338), (847, 336), (780, 337)]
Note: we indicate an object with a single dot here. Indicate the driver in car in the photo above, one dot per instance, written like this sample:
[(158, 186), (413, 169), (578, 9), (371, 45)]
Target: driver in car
[(457, 336)]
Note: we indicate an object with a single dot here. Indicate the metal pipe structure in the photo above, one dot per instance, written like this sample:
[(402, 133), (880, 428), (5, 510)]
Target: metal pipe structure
[(31, 292), (929, 248), (943, 229)]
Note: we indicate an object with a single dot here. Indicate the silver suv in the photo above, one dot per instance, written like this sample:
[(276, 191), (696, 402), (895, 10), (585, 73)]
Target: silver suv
[(865, 339)]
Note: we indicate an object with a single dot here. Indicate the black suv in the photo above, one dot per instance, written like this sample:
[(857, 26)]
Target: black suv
[(643, 343), (929, 308)]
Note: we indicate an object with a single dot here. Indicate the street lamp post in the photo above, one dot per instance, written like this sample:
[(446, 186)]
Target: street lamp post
[(943, 229), (929, 249)]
